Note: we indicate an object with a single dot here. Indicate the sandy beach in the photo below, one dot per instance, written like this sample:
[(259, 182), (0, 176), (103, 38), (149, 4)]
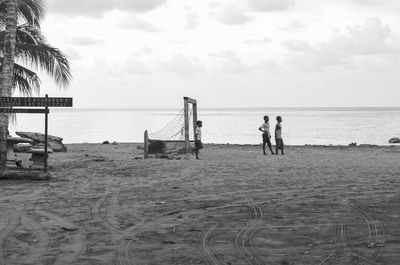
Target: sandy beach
[(315, 205)]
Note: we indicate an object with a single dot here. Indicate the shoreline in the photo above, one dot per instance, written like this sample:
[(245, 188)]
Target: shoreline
[(229, 144)]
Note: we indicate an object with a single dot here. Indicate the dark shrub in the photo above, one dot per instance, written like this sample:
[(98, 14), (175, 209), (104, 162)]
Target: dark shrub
[(156, 147)]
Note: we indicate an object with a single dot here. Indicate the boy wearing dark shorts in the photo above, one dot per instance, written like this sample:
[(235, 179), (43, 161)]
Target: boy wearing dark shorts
[(278, 135), (266, 135), (197, 138)]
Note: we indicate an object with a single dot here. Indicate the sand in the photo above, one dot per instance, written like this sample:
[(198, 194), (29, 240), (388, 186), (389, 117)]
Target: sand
[(315, 205)]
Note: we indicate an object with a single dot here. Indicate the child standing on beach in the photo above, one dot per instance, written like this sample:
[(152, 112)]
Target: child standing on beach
[(266, 135), (197, 138), (278, 135)]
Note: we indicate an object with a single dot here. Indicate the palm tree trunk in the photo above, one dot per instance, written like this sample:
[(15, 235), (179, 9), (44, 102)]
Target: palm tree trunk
[(7, 75)]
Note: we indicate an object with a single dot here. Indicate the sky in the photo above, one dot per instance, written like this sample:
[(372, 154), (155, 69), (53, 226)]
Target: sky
[(227, 53)]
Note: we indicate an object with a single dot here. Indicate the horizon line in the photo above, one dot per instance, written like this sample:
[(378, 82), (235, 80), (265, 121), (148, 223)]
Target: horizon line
[(282, 107)]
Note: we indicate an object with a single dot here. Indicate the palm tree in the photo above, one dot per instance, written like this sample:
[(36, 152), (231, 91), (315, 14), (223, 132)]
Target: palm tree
[(7, 73), (27, 45)]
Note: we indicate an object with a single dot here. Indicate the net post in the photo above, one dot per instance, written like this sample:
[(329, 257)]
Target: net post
[(186, 116), (146, 144), (194, 119)]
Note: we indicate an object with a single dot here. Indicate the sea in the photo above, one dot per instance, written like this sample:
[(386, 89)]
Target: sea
[(300, 126)]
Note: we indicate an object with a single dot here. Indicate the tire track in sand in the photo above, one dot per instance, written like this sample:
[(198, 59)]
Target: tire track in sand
[(376, 239), (375, 234), (244, 236), (348, 246), (104, 212), (208, 251), (8, 223), (68, 252), (43, 239), (123, 256)]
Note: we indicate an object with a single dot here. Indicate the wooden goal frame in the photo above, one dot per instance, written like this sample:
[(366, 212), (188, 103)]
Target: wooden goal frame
[(186, 103)]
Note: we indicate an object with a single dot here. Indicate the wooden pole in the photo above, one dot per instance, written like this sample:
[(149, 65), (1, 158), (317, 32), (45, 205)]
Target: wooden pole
[(46, 123), (186, 115), (146, 144), (194, 119)]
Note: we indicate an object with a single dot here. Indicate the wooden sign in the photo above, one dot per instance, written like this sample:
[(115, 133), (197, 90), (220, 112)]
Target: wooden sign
[(35, 102), (10, 110)]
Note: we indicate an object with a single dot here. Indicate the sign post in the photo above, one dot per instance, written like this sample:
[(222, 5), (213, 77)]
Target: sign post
[(46, 123), (7, 104)]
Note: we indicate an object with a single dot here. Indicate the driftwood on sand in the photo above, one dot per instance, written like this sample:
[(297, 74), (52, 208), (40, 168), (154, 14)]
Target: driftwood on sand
[(25, 175), (53, 142)]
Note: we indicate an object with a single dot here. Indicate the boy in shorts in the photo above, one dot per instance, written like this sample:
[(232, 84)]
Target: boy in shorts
[(266, 135), (197, 138), (278, 135)]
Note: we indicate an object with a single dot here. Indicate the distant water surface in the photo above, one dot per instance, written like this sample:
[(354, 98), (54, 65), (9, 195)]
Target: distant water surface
[(221, 125)]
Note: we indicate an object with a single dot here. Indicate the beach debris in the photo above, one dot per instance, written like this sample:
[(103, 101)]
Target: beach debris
[(371, 244), (106, 142), (174, 212), (138, 158), (286, 262), (54, 142), (25, 175), (394, 140), (67, 227), (168, 242), (22, 147), (99, 159), (114, 143)]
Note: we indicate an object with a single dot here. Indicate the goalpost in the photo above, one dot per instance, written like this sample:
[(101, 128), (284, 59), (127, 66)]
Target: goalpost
[(188, 101), (178, 134)]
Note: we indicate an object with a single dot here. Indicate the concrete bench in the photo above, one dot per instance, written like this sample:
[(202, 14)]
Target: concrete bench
[(39, 156), (12, 159)]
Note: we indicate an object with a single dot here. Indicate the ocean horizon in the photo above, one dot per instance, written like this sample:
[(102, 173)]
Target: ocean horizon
[(238, 125)]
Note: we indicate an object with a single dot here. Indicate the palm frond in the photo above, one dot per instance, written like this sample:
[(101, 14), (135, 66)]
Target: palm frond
[(25, 34), (3, 15), (45, 57), (28, 34), (25, 81), (31, 11)]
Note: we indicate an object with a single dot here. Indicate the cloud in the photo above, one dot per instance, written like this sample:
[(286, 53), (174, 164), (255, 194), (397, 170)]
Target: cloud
[(229, 62), (231, 15), (370, 38), (135, 23), (293, 26), (315, 60), (360, 45), (85, 41), (192, 20), (296, 45), (98, 7), (136, 67), (270, 5), (182, 65), (369, 2), (258, 41), (73, 54), (268, 65)]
